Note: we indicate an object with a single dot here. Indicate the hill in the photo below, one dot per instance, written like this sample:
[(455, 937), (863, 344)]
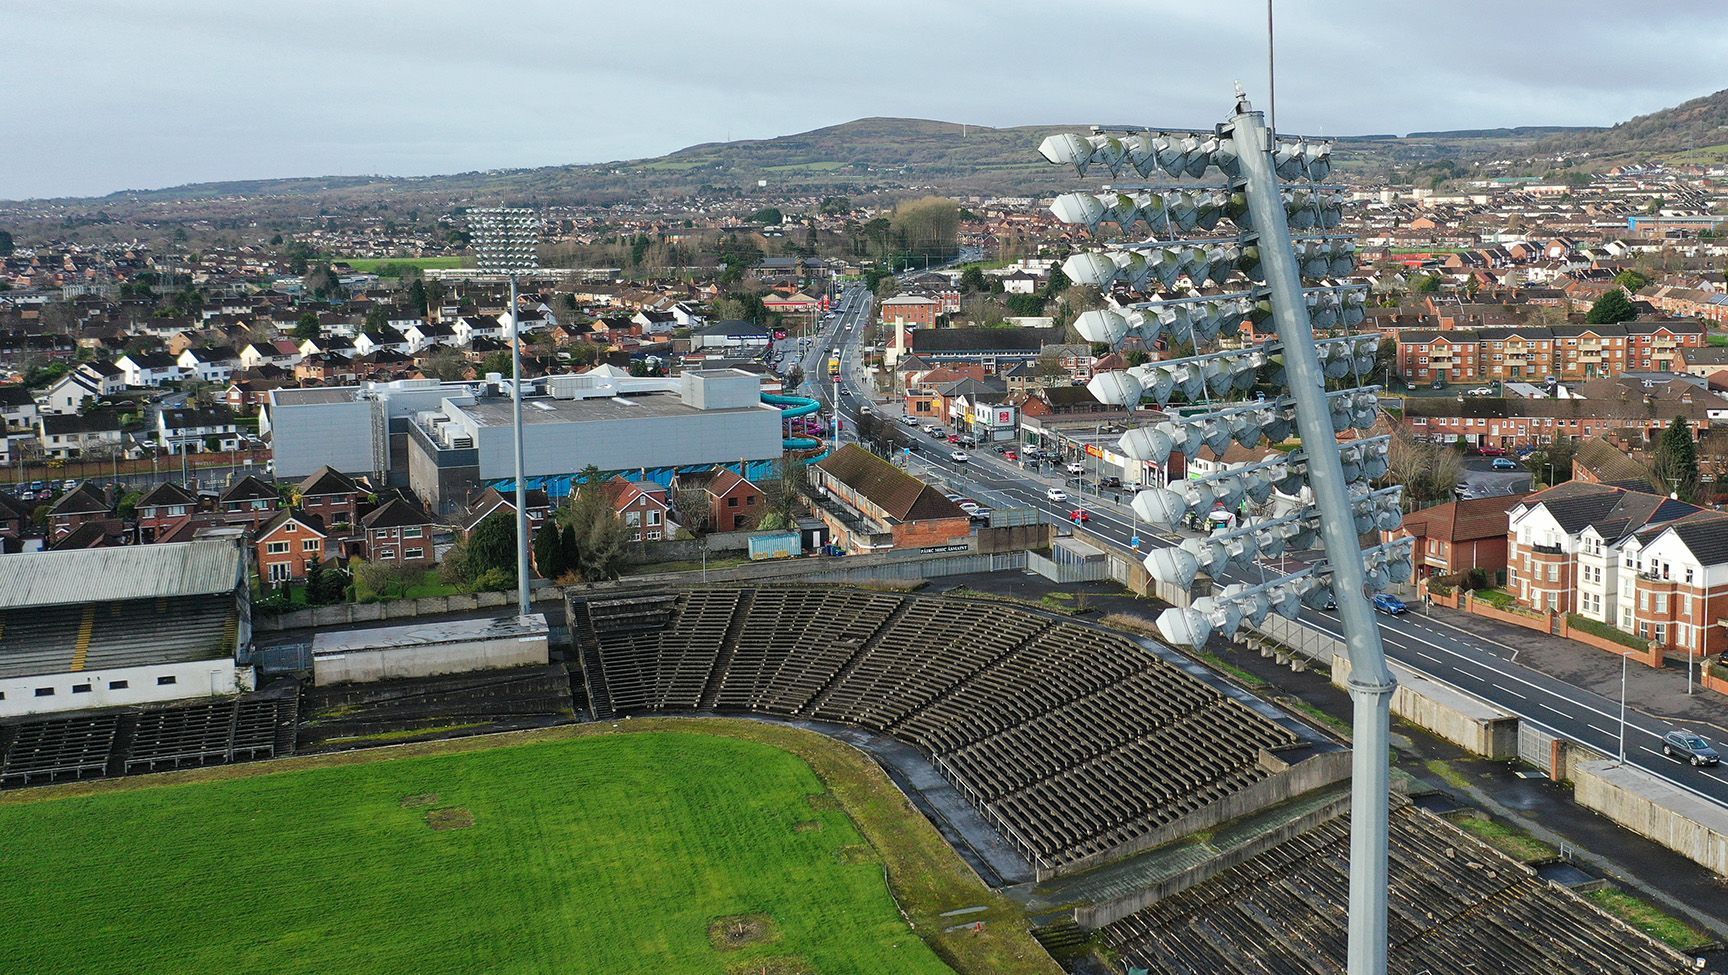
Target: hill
[(1691, 132)]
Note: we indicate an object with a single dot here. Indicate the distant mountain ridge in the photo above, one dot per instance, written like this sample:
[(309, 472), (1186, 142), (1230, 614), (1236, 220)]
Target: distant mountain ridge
[(896, 155)]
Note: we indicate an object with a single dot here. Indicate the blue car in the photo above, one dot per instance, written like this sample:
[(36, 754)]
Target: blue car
[(1504, 464), (1389, 604)]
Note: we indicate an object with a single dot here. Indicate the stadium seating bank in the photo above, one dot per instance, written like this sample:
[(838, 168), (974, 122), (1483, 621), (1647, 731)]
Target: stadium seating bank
[(1077, 744)]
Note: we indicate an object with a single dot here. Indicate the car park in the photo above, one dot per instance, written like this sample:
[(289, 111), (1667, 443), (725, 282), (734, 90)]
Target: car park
[(959, 457), (1504, 464), (1689, 746), (1056, 494), (1389, 604)]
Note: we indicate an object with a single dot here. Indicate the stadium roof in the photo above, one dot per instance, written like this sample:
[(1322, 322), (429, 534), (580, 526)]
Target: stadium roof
[(127, 572)]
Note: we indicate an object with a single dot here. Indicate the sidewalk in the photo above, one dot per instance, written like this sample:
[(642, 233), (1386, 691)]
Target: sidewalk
[(1659, 693)]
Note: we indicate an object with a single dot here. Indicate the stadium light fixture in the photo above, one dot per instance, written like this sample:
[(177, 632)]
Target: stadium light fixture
[(507, 242)]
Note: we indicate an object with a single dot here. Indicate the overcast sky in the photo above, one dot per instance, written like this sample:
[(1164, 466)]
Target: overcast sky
[(118, 94)]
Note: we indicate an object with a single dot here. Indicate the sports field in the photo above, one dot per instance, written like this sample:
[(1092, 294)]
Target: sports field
[(368, 265), (663, 852)]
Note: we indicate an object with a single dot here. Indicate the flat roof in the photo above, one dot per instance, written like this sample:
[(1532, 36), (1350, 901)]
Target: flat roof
[(532, 627), (495, 412), (309, 396), (102, 575)]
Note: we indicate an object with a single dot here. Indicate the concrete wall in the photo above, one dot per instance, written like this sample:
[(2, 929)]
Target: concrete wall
[(1653, 808), (1460, 718), (391, 663), (143, 685)]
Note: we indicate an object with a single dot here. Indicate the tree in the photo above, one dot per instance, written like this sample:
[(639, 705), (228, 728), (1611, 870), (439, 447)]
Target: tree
[(492, 545), (1675, 466), (1024, 306), (695, 513), (1552, 464), (928, 226), (835, 206), (768, 216), (417, 296), (6, 245), (499, 362), (551, 559), (1049, 368), (600, 538), (1429, 472), (1425, 283), (972, 280), (377, 318), (306, 327), (445, 363), (321, 282), (1632, 279), (1610, 308), (391, 579)]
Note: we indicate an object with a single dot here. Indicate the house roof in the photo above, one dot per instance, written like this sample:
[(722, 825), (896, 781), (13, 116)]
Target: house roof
[(1608, 463), (936, 340), (61, 424), (902, 496), (1705, 535), (206, 416), (167, 493), (16, 396), (395, 513), (326, 480), (1464, 521), (250, 488), (85, 499), (286, 515), (1614, 512)]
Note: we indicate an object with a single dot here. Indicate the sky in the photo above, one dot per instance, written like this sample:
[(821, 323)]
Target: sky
[(120, 94)]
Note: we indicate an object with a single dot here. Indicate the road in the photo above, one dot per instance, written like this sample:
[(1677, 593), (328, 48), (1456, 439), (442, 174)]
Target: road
[(1483, 667)]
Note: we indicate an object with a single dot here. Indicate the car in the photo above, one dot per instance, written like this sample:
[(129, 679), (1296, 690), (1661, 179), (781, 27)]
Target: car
[(1010, 455), (954, 438), (1056, 494), (1504, 464), (1110, 481), (1075, 470), (930, 428), (1491, 451), (959, 457), (967, 505), (1389, 604), (979, 513), (865, 410), (1690, 746), (1480, 391), (910, 421), (1079, 516), (970, 443)]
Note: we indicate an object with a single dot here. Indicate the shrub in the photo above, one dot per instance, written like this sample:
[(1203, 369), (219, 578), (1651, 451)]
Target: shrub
[(1597, 628)]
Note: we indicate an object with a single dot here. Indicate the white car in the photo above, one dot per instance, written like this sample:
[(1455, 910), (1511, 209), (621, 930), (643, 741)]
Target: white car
[(910, 421), (1056, 494), (1076, 469), (1481, 391), (959, 457)]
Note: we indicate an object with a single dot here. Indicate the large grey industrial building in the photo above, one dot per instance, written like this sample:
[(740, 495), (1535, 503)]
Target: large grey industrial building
[(446, 439)]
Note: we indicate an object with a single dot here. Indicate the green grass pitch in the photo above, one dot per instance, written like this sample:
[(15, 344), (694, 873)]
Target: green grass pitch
[(604, 854)]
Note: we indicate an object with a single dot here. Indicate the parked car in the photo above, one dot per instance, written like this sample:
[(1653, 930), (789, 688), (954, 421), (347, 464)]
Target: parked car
[(1690, 746), (959, 457), (1389, 604), (1010, 455), (954, 438), (1480, 391), (1504, 464), (979, 513), (970, 443), (1075, 470), (909, 420), (1110, 481), (1056, 494), (1491, 451), (967, 505)]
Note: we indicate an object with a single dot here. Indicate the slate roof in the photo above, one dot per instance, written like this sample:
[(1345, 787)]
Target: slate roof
[(1463, 521), (395, 513), (84, 500), (1705, 535), (902, 496), (250, 488), (167, 493), (937, 340), (1607, 463), (326, 481), (1614, 512)]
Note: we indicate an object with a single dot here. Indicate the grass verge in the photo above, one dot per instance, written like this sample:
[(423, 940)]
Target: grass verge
[(1510, 840), (1648, 918)]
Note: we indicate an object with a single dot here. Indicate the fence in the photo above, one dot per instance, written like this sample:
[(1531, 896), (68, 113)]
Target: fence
[(1063, 572), (1539, 748)]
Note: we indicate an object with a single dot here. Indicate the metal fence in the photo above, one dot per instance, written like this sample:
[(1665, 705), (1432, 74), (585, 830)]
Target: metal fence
[(1536, 746), (1092, 570)]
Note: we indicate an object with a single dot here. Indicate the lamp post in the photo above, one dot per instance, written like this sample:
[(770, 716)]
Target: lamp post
[(506, 241)]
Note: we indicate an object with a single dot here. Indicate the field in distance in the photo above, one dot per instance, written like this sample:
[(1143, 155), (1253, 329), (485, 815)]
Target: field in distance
[(665, 852), (375, 265)]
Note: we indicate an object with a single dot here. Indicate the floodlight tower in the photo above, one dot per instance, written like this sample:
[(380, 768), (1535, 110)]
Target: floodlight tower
[(1202, 288), (507, 241)]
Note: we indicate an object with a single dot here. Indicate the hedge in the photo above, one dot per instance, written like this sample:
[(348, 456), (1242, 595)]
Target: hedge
[(1606, 632)]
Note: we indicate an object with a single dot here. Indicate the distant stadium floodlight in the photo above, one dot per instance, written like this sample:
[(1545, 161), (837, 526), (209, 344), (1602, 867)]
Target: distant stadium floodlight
[(1084, 209), (1117, 387), (506, 240)]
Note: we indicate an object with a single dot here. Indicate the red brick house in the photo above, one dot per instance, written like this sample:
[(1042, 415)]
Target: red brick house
[(734, 504), (331, 495), (1459, 536), (397, 531), (642, 505), (164, 505), (74, 509), (249, 501), (871, 505), (491, 499), (287, 544)]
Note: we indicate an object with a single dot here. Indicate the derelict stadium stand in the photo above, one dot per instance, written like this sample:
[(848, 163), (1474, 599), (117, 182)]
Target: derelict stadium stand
[(131, 633), (1456, 906), (40, 750), (1074, 740)]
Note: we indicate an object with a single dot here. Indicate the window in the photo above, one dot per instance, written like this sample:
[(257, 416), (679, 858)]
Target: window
[(414, 553), (291, 528), (310, 545), (44, 692), (653, 517), (1661, 633), (119, 685), (731, 502), (167, 680), (386, 554), (1661, 602), (281, 571), (277, 548), (1643, 600), (750, 502), (413, 532), (80, 688), (1688, 574)]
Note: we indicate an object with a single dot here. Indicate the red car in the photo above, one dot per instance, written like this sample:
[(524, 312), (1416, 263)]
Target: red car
[(1079, 516), (954, 438), (1491, 451), (1010, 455)]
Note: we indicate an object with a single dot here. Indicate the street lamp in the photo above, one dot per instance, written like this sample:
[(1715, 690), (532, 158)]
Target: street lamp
[(507, 241)]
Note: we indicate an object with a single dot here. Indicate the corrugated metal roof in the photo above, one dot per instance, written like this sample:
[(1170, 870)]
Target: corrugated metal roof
[(126, 572)]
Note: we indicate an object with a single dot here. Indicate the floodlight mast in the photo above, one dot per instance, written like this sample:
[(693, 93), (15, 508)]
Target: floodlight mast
[(1371, 684), (506, 241)]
